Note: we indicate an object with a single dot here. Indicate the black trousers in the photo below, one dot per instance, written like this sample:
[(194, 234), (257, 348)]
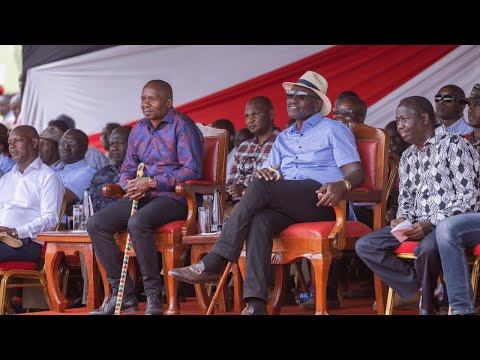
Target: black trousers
[(267, 208), (377, 251), (116, 217)]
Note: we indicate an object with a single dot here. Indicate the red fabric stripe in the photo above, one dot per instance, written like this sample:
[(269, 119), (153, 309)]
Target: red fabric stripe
[(371, 71)]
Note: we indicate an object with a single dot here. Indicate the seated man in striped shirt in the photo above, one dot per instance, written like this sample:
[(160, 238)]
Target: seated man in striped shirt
[(171, 146)]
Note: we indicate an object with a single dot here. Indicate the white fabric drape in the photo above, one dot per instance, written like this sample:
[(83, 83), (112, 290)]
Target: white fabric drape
[(460, 67), (105, 86)]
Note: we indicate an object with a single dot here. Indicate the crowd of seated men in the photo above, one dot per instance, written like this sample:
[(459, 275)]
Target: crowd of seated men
[(60, 162)]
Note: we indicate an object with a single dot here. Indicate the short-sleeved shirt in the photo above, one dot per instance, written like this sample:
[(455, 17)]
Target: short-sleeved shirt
[(316, 152)]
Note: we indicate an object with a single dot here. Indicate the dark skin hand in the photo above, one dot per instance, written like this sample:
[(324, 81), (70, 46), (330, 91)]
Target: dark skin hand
[(136, 188), (268, 174), (6, 230), (236, 190), (331, 193), (419, 229)]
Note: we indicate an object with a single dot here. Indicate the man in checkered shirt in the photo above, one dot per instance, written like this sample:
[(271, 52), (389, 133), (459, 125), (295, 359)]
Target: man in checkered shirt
[(259, 118)]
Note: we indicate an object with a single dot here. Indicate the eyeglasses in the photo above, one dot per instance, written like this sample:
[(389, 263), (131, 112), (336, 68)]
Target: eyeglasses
[(342, 112), (300, 95), (446, 98)]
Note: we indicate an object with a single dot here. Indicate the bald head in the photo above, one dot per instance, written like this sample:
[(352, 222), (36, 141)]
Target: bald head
[(26, 130), (23, 145), (123, 131), (160, 85), (419, 105), (72, 146)]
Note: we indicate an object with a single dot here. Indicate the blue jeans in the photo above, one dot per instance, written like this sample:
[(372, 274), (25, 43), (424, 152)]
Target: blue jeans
[(454, 234)]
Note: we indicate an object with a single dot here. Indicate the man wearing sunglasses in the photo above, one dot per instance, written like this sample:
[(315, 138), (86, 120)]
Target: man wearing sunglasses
[(350, 110), (449, 111), (310, 166), (457, 233)]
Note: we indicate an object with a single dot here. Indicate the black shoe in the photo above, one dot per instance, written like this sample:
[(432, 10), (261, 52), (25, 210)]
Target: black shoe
[(154, 305), (108, 306)]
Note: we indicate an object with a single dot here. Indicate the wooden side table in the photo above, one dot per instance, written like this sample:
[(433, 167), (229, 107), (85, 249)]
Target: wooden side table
[(201, 245), (68, 242)]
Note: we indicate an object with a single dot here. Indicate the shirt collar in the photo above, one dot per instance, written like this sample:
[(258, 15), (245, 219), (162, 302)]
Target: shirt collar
[(311, 122), (75, 165), (169, 117), (35, 164), (271, 138), (438, 133)]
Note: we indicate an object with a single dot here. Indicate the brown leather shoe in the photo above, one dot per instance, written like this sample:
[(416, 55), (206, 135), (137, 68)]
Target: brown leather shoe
[(193, 274), (251, 311)]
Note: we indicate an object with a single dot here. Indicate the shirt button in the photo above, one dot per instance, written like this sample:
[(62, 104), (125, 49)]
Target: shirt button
[(300, 146), (294, 177), (296, 157)]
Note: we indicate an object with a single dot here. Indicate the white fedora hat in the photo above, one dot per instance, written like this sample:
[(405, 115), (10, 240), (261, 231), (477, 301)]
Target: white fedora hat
[(317, 83)]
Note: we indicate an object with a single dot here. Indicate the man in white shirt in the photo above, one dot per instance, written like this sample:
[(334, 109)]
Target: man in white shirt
[(30, 199)]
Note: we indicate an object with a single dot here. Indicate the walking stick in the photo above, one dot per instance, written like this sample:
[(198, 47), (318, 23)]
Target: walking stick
[(128, 245), (221, 283)]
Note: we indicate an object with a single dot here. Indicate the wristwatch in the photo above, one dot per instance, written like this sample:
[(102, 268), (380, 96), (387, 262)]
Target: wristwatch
[(152, 182), (14, 233)]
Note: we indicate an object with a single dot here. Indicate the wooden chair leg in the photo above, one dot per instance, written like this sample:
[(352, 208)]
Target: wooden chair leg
[(278, 295), (475, 273), (172, 257), (390, 301), (238, 303), (320, 268), (380, 294)]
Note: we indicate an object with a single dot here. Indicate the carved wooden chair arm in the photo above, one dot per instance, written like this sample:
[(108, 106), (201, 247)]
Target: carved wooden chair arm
[(113, 190)]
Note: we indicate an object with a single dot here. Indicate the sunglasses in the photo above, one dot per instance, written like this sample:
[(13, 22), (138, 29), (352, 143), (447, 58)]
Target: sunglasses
[(343, 112), (300, 95), (446, 98)]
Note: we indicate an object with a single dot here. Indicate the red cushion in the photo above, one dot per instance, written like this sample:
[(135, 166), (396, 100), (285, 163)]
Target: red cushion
[(174, 226), (407, 247), (308, 230), (17, 265), (476, 250), (368, 155), (357, 229), (322, 229)]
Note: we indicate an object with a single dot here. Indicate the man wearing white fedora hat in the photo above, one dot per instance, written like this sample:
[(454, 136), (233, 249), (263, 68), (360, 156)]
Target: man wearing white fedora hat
[(316, 160)]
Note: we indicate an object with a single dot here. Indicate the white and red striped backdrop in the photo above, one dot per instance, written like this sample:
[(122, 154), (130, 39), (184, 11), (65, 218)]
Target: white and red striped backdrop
[(212, 82)]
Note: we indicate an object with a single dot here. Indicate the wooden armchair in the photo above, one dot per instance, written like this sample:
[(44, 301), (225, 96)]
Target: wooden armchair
[(317, 241), (168, 238), (25, 270)]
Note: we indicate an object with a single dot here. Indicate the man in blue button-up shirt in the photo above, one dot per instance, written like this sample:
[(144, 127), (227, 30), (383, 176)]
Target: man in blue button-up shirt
[(171, 146), (317, 160)]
